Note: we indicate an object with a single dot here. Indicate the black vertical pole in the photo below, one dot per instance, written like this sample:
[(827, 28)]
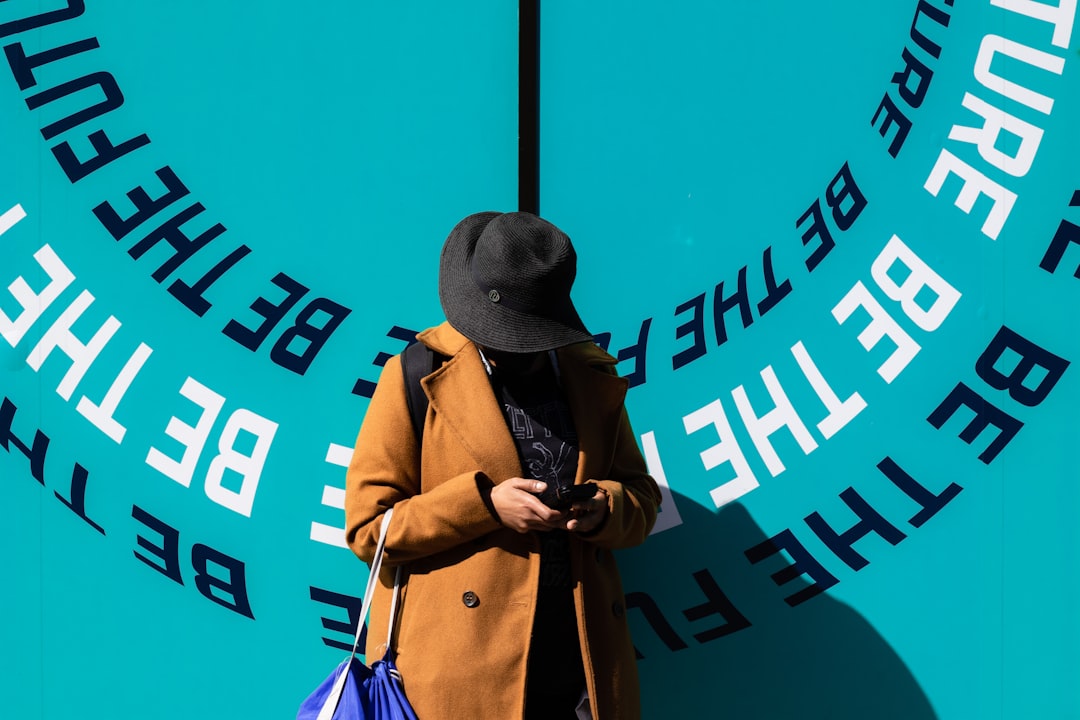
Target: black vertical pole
[(529, 106)]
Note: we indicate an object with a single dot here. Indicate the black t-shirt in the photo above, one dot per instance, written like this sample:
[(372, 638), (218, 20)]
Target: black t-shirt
[(539, 420)]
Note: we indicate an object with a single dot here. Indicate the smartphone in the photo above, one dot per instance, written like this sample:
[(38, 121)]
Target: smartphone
[(561, 498)]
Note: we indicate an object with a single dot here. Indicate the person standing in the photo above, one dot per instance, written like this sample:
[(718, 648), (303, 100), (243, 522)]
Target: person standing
[(509, 501)]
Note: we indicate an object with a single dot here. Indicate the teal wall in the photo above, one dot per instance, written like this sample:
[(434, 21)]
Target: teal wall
[(833, 244)]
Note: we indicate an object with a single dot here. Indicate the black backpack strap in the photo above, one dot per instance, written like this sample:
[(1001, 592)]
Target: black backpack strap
[(418, 361)]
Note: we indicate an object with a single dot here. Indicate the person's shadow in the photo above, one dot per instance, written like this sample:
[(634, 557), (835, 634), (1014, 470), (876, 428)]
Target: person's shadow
[(715, 637)]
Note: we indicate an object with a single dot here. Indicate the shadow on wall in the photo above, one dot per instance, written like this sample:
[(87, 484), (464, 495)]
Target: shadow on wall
[(716, 638)]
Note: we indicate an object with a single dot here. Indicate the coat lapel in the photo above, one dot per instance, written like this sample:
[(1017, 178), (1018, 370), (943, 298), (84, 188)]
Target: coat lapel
[(461, 396), (596, 399)]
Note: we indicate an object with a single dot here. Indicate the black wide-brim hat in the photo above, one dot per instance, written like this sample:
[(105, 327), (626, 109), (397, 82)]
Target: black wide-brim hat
[(504, 283)]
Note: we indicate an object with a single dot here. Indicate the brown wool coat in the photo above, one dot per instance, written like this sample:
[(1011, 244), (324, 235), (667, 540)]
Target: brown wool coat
[(467, 605)]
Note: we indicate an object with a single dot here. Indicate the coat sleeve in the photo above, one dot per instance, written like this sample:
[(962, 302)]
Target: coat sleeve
[(385, 472), (633, 495)]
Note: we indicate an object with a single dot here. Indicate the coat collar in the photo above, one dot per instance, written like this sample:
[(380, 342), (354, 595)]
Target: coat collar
[(460, 394)]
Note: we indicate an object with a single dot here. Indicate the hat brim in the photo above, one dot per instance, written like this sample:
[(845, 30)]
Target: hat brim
[(494, 325)]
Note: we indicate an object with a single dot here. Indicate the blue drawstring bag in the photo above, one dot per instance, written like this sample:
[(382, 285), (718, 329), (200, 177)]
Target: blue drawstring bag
[(362, 692), (355, 691)]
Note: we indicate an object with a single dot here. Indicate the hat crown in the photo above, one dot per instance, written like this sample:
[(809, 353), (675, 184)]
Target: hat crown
[(505, 280), (524, 262)]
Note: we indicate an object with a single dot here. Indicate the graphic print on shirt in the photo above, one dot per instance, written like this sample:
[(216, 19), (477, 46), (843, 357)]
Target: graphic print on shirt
[(549, 467), (543, 430), (553, 441)]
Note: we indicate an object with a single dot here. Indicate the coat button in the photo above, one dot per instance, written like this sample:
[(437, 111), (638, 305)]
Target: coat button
[(617, 609), (470, 599)]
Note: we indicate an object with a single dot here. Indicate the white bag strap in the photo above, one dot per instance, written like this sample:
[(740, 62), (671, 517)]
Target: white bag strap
[(373, 579), (393, 609), (326, 712)]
